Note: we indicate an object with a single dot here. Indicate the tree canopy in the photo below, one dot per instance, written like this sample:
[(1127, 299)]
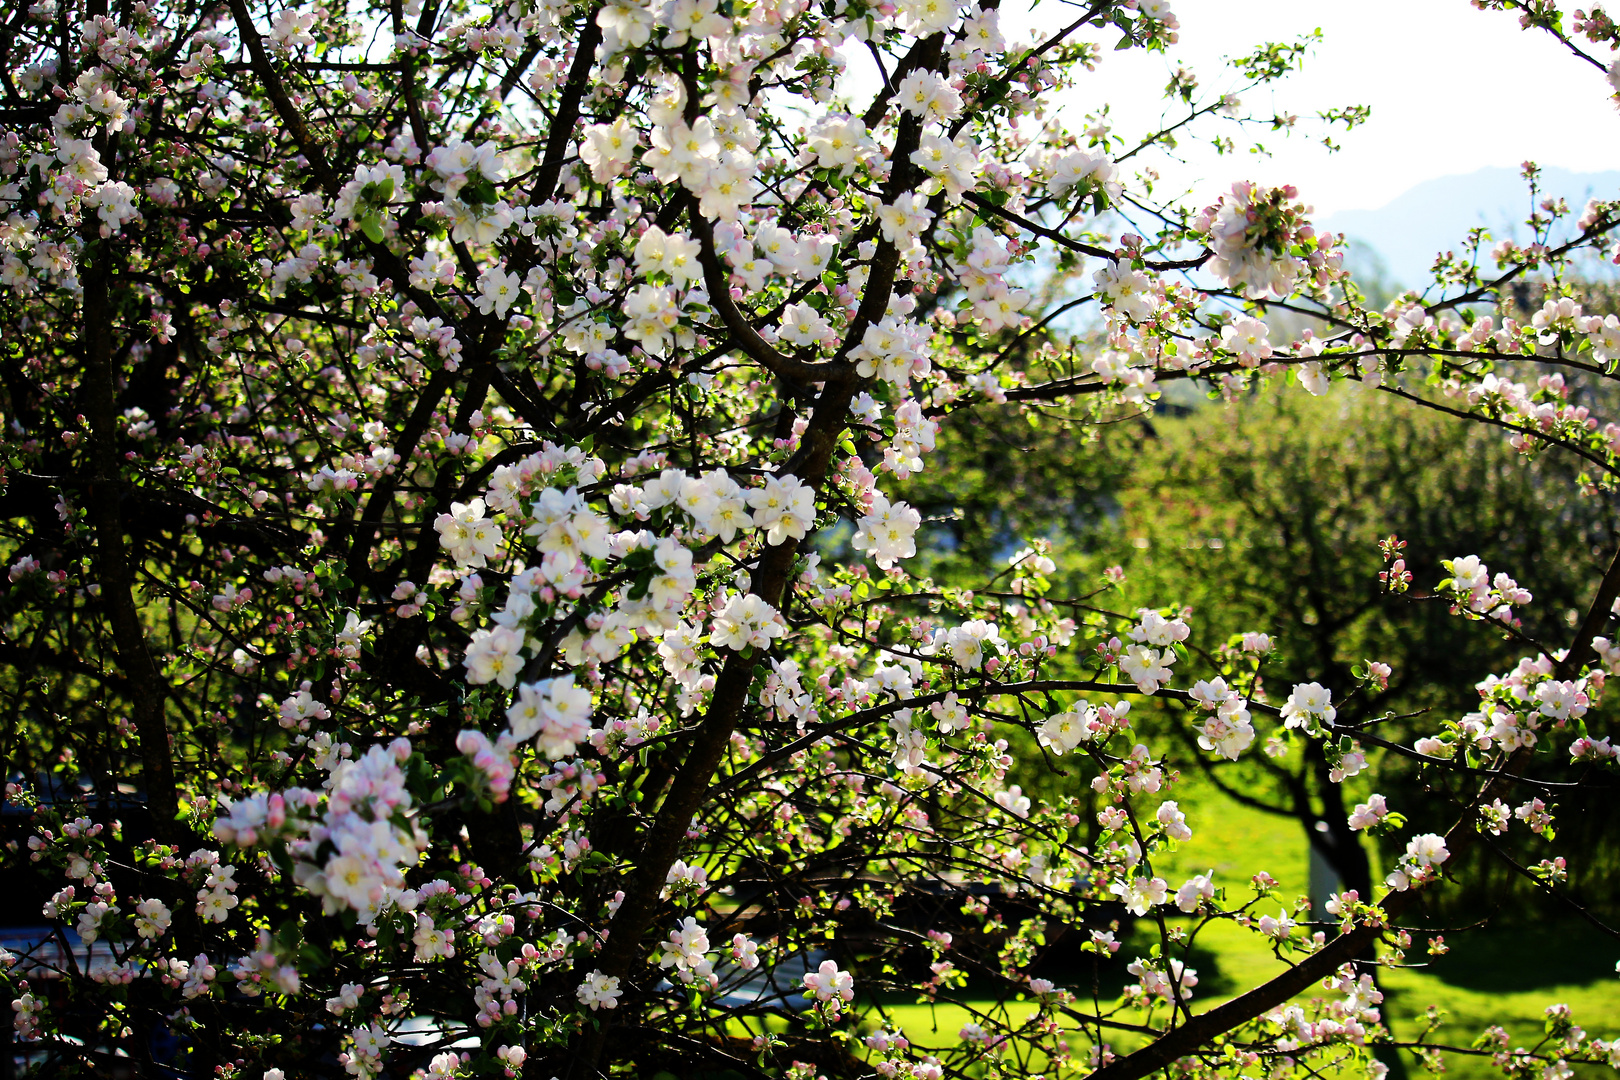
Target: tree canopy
[(457, 478)]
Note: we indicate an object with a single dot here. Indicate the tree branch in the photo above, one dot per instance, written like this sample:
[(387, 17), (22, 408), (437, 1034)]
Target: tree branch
[(113, 570), (716, 280)]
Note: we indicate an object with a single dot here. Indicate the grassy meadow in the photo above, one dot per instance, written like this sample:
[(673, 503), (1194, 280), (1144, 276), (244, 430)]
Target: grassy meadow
[(1504, 976)]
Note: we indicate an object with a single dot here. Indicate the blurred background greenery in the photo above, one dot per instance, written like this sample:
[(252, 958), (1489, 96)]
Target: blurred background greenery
[(1265, 515)]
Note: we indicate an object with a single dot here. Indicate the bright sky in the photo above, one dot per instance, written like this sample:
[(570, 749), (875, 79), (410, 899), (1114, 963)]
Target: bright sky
[(1452, 90)]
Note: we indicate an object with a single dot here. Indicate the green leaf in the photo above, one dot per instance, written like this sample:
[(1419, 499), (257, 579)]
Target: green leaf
[(372, 227), (282, 858), (642, 583)]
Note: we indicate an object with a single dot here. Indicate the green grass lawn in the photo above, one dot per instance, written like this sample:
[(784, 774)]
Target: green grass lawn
[(1494, 975)]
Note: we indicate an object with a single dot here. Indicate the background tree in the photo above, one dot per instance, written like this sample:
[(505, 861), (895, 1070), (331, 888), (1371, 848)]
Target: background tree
[(1273, 511)]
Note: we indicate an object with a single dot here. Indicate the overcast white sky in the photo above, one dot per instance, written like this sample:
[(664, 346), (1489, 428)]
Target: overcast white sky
[(1452, 89)]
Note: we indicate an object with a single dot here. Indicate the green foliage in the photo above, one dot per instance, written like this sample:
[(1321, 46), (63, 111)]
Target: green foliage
[(1266, 515)]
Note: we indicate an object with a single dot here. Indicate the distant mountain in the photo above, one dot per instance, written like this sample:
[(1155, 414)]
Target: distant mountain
[(1436, 215)]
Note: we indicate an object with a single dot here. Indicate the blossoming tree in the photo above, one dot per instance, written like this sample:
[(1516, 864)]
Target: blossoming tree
[(424, 423)]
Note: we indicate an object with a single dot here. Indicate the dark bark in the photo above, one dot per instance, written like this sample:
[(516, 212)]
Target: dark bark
[(115, 572)]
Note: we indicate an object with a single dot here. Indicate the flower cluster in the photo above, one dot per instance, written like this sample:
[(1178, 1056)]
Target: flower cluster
[(1263, 242)]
